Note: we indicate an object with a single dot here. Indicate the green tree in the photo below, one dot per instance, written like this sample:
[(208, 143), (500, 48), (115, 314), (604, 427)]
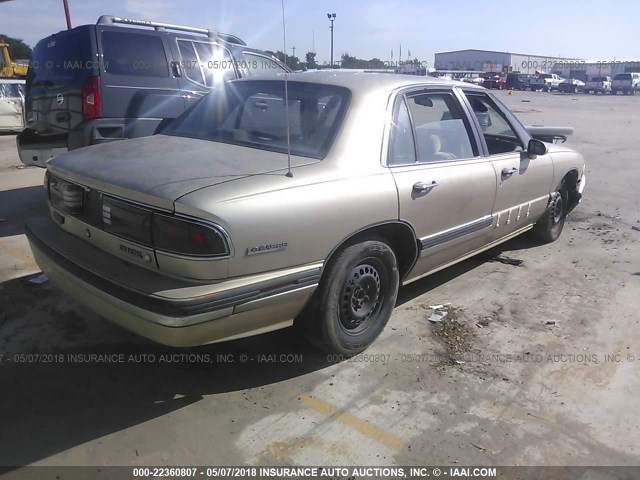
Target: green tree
[(17, 48), (311, 60)]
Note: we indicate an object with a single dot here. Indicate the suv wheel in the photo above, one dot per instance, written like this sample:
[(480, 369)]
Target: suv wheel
[(549, 227), (355, 299)]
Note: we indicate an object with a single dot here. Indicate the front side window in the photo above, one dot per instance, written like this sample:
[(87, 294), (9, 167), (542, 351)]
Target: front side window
[(499, 135), (134, 54), (254, 114)]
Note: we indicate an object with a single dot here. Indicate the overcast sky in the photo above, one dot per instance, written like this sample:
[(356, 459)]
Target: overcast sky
[(370, 28)]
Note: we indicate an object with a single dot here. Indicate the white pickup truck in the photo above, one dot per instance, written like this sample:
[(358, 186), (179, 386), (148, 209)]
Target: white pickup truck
[(546, 82), (598, 84)]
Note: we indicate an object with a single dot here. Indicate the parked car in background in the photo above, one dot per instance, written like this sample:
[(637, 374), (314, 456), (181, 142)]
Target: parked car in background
[(11, 105), (546, 82), (518, 81), (210, 231), (495, 82), (475, 79), (598, 85), (109, 81), (627, 83), (572, 85)]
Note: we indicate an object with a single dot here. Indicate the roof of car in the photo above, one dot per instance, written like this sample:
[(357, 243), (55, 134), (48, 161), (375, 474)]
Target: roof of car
[(368, 80)]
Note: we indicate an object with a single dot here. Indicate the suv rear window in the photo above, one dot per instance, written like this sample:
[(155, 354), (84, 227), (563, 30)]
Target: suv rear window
[(622, 76), (134, 54), (253, 114), (599, 79), (60, 58)]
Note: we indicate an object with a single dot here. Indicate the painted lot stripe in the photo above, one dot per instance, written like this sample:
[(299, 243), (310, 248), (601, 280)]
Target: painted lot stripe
[(347, 419), (17, 255)]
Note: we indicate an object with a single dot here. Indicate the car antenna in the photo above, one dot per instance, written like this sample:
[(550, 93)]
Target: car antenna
[(286, 95)]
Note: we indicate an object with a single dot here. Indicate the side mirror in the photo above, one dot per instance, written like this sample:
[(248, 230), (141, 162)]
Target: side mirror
[(536, 147)]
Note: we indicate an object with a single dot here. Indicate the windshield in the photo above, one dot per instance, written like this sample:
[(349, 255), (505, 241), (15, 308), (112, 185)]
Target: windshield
[(253, 114)]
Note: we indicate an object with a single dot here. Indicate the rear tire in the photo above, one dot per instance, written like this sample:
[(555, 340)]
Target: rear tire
[(355, 299), (549, 227)]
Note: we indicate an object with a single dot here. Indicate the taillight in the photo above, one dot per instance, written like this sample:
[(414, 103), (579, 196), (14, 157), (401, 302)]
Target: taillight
[(186, 237), (66, 196), (91, 101)]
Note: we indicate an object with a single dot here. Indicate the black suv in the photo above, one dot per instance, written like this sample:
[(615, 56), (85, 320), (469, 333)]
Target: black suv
[(104, 82), (518, 81)]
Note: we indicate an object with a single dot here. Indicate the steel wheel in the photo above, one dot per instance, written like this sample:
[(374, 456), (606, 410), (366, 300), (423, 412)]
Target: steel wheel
[(361, 297), (354, 300)]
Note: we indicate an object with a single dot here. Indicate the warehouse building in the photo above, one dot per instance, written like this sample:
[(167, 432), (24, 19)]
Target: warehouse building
[(492, 61)]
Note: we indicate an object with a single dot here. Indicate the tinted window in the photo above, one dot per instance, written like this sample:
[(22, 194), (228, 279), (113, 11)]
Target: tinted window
[(260, 66), (622, 76), (216, 63), (499, 135), (61, 58), (134, 54), (402, 148), (254, 114), (439, 127), (190, 63)]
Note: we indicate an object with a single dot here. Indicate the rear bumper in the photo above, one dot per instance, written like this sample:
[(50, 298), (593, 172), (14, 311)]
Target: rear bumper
[(170, 311), (34, 151)]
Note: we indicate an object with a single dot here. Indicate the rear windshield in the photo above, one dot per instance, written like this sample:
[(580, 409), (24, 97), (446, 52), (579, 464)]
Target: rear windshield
[(60, 58), (11, 90), (599, 79), (622, 76), (253, 114)]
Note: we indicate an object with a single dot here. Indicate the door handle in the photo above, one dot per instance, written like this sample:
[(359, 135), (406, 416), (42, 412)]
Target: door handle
[(261, 105), (507, 172), (421, 187), (177, 71)]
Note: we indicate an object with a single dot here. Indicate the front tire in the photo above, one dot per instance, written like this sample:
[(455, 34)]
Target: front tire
[(549, 227)]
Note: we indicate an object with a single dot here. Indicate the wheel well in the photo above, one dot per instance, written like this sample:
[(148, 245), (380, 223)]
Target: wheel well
[(570, 180), (399, 236)]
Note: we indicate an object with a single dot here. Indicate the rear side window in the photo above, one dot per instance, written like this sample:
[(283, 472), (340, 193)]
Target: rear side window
[(440, 130), (206, 63), (134, 54), (260, 66)]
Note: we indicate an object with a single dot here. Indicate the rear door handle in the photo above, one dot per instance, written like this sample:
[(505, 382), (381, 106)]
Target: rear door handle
[(421, 187), (177, 71), (507, 172)]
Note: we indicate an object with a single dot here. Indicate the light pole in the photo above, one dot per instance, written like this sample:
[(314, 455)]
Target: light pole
[(332, 18)]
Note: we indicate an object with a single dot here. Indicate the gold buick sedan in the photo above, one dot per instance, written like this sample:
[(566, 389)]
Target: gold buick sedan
[(309, 202)]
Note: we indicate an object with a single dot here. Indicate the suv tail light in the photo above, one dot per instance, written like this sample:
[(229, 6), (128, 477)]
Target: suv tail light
[(186, 237), (91, 101)]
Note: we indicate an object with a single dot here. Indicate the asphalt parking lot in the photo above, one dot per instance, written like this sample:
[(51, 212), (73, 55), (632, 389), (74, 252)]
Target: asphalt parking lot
[(536, 364)]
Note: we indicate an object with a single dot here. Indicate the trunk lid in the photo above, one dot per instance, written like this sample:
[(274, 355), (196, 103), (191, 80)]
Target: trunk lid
[(159, 170)]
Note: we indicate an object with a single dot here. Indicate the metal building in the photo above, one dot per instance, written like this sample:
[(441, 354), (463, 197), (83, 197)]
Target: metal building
[(492, 61)]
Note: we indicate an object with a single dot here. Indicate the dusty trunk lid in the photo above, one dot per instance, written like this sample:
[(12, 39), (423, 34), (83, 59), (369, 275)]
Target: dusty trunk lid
[(159, 170)]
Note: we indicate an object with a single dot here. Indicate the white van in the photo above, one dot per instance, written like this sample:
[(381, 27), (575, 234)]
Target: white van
[(11, 105)]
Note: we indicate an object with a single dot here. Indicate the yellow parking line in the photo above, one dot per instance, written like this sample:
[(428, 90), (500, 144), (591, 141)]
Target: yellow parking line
[(361, 426), (17, 255)]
